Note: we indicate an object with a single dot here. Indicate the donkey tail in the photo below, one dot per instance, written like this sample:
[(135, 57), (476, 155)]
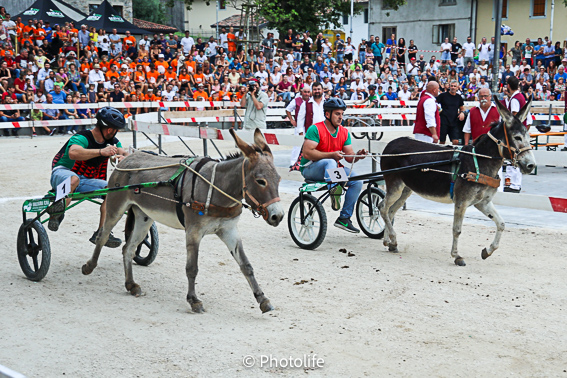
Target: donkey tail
[(130, 219)]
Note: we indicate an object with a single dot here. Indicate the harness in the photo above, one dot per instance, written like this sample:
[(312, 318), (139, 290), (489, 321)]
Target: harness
[(513, 151), (260, 209), (176, 182)]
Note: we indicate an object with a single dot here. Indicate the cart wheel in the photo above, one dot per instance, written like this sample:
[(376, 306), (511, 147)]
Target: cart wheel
[(376, 135), (371, 225), (358, 135), (34, 251), (311, 234), (147, 250)]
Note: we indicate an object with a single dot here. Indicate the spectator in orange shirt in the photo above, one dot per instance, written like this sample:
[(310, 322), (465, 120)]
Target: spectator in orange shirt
[(161, 63), (128, 38), (200, 92), (152, 77), (29, 28), (198, 78), (170, 74), (112, 73), (231, 41), (140, 77)]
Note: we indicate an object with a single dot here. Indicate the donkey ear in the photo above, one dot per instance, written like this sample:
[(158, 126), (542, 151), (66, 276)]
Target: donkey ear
[(261, 141), (523, 113), (247, 149), (507, 117)]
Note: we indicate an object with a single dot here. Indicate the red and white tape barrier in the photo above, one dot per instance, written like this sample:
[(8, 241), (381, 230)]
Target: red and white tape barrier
[(531, 201)]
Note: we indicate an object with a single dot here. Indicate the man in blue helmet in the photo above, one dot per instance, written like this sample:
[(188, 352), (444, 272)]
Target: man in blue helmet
[(84, 159), (326, 143)]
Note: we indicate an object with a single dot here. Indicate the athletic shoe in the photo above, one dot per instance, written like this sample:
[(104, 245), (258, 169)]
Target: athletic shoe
[(74, 132), (564, 149), (346, 224), (336, 192), (507, 189), (34, 135), (56, 214), (53, 131), (69, 133), (112, 242)]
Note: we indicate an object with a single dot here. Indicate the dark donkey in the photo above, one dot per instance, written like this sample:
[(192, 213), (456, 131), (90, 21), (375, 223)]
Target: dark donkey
[(202, 211), (509, 139)]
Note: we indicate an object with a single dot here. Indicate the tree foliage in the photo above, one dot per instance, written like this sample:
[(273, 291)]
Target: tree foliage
[(396, 4), (312, 15), (149, 10)]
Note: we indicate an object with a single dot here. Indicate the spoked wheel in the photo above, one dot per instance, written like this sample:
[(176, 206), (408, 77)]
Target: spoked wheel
[(371, 225), (358, 135), (311, 233), (147, 250), (34, 251)]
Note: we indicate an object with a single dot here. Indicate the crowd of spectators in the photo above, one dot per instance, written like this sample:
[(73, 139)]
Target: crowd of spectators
[(59, 64)]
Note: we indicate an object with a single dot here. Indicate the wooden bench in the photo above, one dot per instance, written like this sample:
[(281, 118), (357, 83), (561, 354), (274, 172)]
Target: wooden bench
[(547, 144)]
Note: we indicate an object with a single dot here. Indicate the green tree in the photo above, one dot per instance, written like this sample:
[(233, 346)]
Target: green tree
[(149, 10)]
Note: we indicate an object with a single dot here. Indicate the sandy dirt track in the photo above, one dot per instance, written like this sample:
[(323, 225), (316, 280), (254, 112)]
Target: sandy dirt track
[(373, 313)]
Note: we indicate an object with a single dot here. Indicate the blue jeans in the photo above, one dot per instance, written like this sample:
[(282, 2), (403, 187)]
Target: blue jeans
[(297, 55), (76, 89), (362, 57), (340, 57), (445, 55), (286, 96), (6, 119), (85, 184), (317, 171)]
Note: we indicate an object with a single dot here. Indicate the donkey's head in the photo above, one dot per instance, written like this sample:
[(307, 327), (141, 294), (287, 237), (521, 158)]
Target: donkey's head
[(518, 136), (261, 180)]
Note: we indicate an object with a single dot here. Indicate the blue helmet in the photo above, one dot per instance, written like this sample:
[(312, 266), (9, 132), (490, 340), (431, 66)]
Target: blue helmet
[(110, 117)]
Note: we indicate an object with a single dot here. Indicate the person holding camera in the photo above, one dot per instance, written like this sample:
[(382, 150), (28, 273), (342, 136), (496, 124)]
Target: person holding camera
[(256, 103)]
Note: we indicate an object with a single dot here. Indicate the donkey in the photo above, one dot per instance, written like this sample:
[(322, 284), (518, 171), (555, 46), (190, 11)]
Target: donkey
[(250, 174), (508, 139)]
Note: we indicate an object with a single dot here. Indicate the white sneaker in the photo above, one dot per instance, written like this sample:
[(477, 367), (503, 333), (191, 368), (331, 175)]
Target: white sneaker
[(70, 133), (74, 132)]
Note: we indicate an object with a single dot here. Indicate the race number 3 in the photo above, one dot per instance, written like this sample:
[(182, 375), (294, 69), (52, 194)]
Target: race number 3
[(63, 189), (337, 174)]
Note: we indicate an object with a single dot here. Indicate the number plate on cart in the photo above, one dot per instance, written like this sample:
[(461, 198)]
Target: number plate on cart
[(36, 205)]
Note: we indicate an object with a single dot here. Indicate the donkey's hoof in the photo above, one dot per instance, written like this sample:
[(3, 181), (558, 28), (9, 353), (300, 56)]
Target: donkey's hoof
[(197, 307), (86, 269), (134, 289), (385, 242), (266, 306), (484, 254), (393, 248), (460, 261)]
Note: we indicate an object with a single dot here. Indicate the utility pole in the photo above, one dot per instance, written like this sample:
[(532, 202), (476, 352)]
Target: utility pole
[(351, 17), (496, 52)]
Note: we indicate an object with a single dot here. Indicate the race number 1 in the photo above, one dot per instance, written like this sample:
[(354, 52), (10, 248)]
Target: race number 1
[(63, 189), (337, 174)]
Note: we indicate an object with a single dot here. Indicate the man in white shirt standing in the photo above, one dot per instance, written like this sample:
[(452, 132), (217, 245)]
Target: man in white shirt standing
[(223, 39), (469, 48), (427, 121), (187, 42), (314, 106), (484, 50), (144, 43)]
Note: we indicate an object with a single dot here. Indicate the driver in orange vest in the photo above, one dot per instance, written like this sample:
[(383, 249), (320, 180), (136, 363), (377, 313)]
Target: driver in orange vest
[(325, 145)]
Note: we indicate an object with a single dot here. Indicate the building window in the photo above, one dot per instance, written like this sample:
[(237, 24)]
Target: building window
[(440, 32), (119, 9), (345, 18), (92, 7), (366, 16), (538, 8), (448, 2), (387, 33), (504, 9), (222, 4)]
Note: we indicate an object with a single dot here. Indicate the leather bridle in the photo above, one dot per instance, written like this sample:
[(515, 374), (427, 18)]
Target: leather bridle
[(257, 208), (512, 151)]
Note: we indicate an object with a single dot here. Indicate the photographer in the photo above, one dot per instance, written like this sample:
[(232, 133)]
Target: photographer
[(256, 103)]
